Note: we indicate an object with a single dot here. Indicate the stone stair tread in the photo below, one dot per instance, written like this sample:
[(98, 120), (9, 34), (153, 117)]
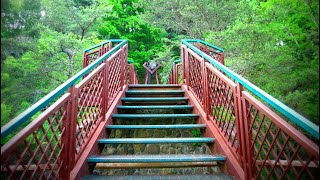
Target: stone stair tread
[(175, 126), (155, 158), (154, 116), (220, 176), (155, 140), (157, 107), (156, 99)]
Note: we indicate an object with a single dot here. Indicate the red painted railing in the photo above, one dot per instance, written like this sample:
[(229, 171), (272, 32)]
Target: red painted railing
[(175, 76), (50, 146), (132, 77), (262, 143)]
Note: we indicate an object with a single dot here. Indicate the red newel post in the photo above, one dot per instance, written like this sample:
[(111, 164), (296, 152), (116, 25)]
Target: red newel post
[(242, 128), (221, 58), (183, 64), (72, 113), (64, 173), (187, 73), (250, 172)]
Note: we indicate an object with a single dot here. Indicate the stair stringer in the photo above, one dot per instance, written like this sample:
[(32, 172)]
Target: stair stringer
[(82, 168), (231, 166)]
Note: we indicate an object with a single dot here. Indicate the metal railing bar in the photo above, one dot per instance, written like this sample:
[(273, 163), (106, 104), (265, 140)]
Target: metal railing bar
[(32, 110), (301, 121)]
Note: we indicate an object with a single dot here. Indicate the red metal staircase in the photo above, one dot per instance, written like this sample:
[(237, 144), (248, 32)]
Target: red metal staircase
[(75, 129)]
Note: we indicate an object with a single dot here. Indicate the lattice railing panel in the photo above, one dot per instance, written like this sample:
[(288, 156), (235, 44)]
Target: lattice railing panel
[(195, 76), (128, 74), (221, 104), (90, 102), (92, 56), (279, 150), (35, 152), (114, 77)]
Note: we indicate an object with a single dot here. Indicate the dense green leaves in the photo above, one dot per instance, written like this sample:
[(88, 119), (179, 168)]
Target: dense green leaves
[(273, 43), (145, 40)]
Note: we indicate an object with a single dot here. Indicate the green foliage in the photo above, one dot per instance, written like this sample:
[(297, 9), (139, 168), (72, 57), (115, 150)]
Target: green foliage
[(52, 59), (145, 40), (274, 44), (196, 133), (277, 48)]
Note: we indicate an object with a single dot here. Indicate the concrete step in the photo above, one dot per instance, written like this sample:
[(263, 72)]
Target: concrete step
[(176, 126), (154, 140), (156, 158)]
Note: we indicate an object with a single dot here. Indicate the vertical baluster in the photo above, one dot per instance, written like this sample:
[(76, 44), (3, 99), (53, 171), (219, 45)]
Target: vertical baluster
[(106, 92), (85, 59), (101, 50), (187, 68), (183, 64)]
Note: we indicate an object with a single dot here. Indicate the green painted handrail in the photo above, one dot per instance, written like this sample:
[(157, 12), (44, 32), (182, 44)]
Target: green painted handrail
[(27, 114), (95, 46), (303, 122)]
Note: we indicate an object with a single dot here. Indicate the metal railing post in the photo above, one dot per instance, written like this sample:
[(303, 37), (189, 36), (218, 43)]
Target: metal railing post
[(205, 94), (242, 129), (72, 113), (85, 63), (187, 68)]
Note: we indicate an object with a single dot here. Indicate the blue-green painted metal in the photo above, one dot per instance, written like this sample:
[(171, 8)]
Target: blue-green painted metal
[(132, 116), (174, 126), (303, 122), (143, 92), (95, 46), (155, 158), (154, 99), (27, 114), (154, 85), (157, 107), (162, 177), (155, 140)]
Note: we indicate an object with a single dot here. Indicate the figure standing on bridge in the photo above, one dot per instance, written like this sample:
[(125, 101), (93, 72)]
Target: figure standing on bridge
[(151, 68)]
